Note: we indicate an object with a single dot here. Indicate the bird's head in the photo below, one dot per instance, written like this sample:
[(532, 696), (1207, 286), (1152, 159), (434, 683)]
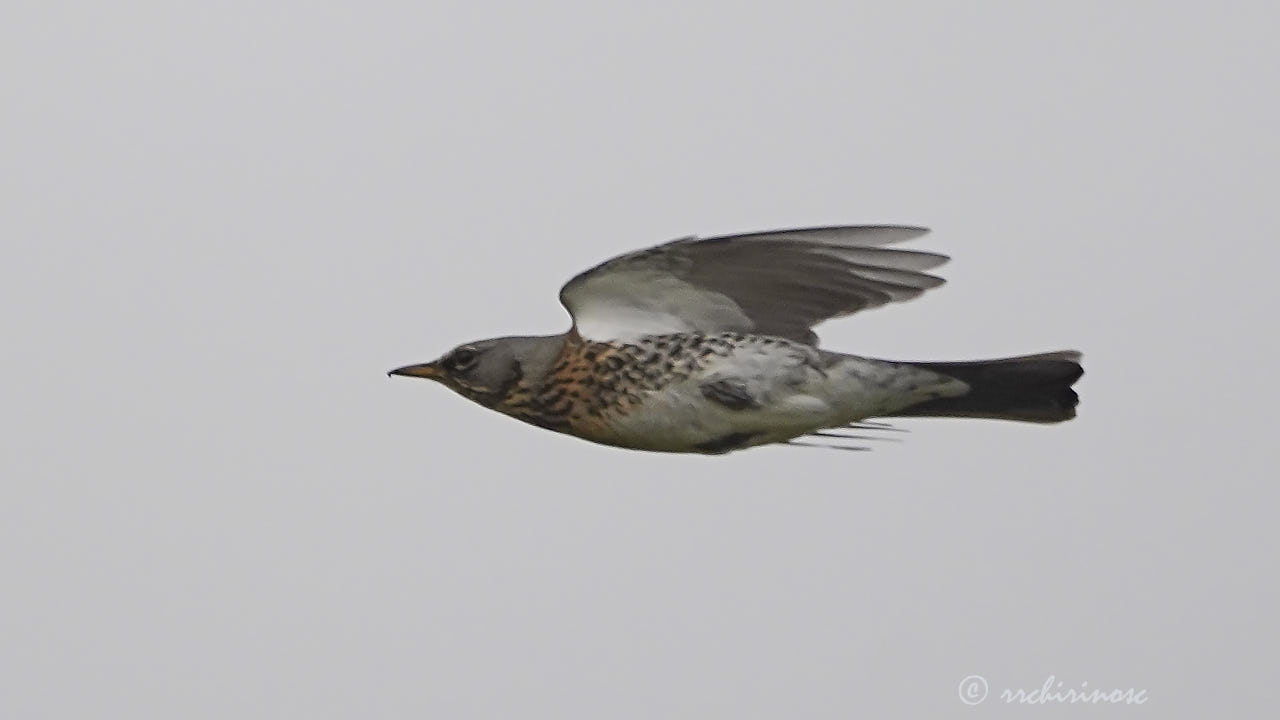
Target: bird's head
[(486, 371)]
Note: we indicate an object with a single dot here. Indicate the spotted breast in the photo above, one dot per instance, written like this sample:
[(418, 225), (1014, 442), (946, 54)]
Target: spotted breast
[(606, 391)]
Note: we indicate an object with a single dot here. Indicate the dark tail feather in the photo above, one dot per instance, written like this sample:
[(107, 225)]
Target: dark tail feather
[(1032, 388)]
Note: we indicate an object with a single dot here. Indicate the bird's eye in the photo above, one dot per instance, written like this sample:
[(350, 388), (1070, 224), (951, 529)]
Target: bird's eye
[(462, 358)]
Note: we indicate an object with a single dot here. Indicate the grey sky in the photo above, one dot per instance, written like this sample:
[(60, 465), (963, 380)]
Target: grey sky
[(223, 223)]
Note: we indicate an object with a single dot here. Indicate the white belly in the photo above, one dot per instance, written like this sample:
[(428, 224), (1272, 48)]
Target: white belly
[(681, 419), (791, 398)]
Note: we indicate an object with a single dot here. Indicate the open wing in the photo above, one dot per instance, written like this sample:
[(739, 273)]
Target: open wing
[(778, 283)]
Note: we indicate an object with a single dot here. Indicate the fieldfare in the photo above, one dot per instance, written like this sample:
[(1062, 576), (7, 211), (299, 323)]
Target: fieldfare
[(705, 345)]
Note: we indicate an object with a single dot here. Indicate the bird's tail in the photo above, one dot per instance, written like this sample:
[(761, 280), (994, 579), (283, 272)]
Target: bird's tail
[(1031, 388)]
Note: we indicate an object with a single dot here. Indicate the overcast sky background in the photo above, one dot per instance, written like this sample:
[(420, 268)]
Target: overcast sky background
[(223, 223)]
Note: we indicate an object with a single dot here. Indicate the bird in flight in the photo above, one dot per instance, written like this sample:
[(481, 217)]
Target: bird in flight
[(705, 345)]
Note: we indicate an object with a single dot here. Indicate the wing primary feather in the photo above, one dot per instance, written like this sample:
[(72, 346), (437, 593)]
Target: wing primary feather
[(837, 235), (888, 258)]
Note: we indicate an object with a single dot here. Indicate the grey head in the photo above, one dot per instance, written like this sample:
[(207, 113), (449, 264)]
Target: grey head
[(488, 371)]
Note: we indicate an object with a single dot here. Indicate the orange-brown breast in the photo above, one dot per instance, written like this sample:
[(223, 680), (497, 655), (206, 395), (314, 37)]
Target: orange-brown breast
[(592, 383)]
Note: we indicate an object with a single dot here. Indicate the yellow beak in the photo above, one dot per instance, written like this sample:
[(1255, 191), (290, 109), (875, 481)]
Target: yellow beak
[(425, 370)]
